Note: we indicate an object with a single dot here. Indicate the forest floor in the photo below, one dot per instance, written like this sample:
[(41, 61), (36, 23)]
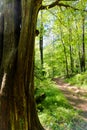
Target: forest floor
[(76, 96)]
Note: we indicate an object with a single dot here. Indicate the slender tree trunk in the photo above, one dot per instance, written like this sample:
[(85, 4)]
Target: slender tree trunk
[(83, 46), (41, 41), (71, 51), (17, 105), (78, 65), (71, 60), (66, 60)]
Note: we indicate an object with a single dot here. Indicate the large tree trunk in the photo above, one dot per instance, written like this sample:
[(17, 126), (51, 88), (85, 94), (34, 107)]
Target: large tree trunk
[(17, 105), (1, 36)]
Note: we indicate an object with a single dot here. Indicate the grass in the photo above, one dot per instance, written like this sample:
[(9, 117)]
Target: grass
[(57, 113), (80, 80)]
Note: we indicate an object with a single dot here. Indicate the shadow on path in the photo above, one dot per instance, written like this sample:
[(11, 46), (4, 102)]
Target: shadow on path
[(75, 95)]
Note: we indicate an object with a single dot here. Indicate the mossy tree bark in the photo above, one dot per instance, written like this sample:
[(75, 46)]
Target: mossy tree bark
[(17, 105)]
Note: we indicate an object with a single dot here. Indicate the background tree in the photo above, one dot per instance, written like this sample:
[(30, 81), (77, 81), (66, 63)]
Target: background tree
[(82, 60), (41, 41), (67, 16)]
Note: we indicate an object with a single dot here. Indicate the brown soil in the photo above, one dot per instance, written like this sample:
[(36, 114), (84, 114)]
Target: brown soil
[(76, 96)]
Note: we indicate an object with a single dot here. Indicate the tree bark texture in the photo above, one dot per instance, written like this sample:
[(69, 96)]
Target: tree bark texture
[(1, 36), (17, 105)]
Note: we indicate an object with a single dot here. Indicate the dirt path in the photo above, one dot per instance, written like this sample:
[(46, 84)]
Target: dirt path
[(76, 96)]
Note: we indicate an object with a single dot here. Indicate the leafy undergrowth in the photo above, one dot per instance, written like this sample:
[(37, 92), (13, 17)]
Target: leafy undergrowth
[(55, 112), (78, 80)]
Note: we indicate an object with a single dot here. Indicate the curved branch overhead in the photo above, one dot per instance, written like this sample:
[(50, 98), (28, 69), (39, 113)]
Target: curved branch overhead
[(60, 4), (50, 6)]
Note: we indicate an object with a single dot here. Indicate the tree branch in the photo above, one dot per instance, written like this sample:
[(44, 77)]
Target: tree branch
[(56, 3), (50, 6), (67, 6)]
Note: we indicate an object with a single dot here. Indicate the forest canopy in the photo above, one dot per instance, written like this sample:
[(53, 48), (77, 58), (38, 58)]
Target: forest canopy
[(61, 25)]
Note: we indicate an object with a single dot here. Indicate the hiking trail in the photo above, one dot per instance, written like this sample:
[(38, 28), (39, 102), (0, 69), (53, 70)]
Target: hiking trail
[(76, 96)]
